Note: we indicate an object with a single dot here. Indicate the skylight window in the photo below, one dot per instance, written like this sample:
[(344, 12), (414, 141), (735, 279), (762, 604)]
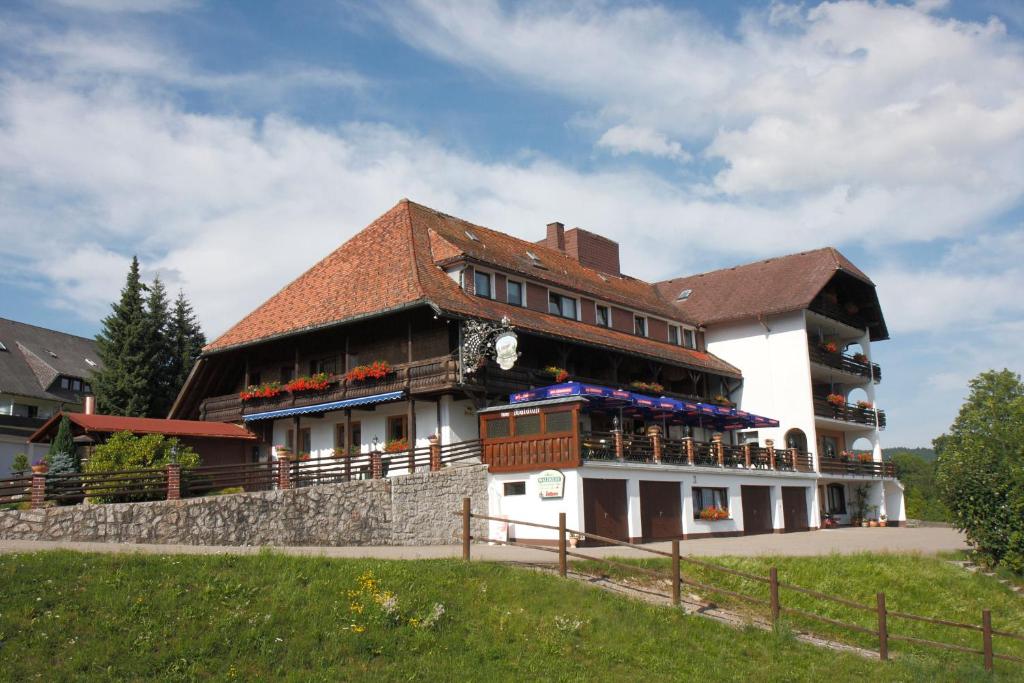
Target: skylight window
[(3, 347), (471, 236), (533, 257), (684, 295), (91, 362), (52, 354)]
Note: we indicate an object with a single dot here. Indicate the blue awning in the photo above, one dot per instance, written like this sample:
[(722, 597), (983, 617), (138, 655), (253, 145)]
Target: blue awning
[(674, 410), (324, 407)]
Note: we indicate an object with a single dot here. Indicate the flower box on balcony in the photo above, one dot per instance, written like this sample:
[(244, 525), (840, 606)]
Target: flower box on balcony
[(317, 382), (652, 387), (265, 390), (397, 446), (714, 514), (836, 400), (559, 374), (830, 347), (378, 369)]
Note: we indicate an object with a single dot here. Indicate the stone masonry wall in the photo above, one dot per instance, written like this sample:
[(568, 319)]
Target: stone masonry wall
[(352, 513)]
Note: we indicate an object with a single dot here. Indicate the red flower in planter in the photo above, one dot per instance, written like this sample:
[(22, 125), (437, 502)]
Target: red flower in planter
[(317, 382), (265, 390), (713, 514), (837, 400), (830, 347), (378, 369), (397, 446)]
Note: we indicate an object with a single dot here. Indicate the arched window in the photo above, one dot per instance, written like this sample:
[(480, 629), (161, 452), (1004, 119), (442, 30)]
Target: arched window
[(795, 438)]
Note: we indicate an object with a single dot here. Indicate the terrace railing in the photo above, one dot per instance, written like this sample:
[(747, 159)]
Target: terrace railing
[(849, 413), (845, 363), (857, 468), (613, 446), (173, 481)]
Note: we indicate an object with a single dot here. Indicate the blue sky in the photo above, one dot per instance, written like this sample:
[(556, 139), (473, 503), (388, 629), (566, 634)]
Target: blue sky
[(231, 146)]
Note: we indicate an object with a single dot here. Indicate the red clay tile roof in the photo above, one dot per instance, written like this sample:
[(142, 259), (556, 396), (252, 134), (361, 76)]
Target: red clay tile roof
[(106, 424), (775, 285), (404, 247)]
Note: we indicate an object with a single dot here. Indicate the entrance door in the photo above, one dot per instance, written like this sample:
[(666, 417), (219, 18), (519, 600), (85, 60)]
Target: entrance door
[(794, 508), (757, 509), (661, 515), (604, 508)]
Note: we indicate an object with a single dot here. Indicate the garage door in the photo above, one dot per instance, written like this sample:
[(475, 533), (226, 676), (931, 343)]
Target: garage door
[(604, 508), (661, 515), (757, 509), (794, 508)]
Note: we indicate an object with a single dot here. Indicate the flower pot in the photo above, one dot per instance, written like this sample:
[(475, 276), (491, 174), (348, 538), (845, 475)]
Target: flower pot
[(873, 523), (864, 524), (40, 469), (883, 523)]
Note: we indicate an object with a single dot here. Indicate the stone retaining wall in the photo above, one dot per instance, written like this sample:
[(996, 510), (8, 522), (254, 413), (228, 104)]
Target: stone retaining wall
[(408, 510)]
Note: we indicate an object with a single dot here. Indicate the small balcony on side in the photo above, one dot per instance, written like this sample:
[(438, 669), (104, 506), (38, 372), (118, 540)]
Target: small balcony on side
[(830, 361), (835, 407)]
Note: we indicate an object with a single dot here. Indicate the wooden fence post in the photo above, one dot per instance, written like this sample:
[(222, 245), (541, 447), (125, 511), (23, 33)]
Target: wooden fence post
[(986, 636), (883, 628), (38, 490), (676, 579), (773, 585), (562, 564), (173, 481), (465, 529)]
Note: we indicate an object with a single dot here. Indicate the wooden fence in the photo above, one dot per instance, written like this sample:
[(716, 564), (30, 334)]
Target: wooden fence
[(774, 604), (173, 481)]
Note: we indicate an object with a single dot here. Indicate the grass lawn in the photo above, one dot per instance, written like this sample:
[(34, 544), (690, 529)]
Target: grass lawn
[(925, 586), (70, 615)]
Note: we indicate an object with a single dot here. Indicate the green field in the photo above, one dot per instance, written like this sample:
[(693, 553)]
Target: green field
[(115, 617)]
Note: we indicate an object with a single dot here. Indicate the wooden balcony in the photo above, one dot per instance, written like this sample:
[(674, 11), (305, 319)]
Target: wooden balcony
[(849, 413), (415, 378), (857, 468), (846, 364)]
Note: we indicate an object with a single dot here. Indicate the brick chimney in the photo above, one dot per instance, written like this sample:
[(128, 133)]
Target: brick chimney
[(593, 251), (556, 237)]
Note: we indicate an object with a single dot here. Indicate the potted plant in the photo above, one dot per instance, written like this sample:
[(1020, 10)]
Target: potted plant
[(396, 446), (283, 452), (265, 390), (830, 347), (836, 400), (652, 387), (574, 538), (722, 400), (714, 514), (317, 382), (865, 405), (40, 466), (860, 358), (559, 374), (882, 520)]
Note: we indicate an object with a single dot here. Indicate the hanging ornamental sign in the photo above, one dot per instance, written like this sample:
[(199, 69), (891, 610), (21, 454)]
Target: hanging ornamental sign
[(483, 339)]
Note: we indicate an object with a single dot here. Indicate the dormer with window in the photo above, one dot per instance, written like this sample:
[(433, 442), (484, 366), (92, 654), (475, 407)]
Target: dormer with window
[(483, 284)]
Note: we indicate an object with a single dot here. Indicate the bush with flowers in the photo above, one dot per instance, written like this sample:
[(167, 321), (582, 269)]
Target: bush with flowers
[(651, 387), (396, 446), (265, 390), (560, 374), (317, 382), (371, 606), (378, 369), (714, 513), (837, 400)]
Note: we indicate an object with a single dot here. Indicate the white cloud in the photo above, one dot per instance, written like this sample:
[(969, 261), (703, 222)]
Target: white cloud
[(128, 6), (623, 139)]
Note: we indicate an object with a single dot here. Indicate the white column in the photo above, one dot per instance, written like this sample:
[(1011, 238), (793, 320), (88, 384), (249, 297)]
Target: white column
[(633, 506)]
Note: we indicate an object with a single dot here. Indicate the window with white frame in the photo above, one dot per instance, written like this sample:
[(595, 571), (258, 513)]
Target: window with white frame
[(705, 497), (640, 325), (689, 339), (673, 334), (603, 316)]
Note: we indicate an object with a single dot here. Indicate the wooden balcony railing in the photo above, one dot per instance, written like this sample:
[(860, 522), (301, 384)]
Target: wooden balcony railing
[(596, 446), (846, 364), (857, 468), (848, 413), (415, 377)]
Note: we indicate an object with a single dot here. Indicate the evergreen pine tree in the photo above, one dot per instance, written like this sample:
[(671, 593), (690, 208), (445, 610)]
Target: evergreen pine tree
[(63, 456), (161, 351), (187, 341), (122, 383)]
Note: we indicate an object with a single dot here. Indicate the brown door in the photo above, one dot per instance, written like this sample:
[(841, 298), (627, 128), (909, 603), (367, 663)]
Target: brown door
[(757, 509), (661, 515), (794, 508), (604, 508)]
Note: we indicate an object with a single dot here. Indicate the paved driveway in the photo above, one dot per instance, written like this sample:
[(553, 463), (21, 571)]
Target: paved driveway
[(924, 540)]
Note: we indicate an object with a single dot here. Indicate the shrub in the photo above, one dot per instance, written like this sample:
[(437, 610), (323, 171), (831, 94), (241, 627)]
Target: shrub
[(20, 463), (63, 455), (125, 451), (981, 468)]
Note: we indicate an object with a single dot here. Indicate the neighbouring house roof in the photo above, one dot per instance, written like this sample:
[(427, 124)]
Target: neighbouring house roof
[(108, 424), (772, 286), (35, 357), (395, 263)]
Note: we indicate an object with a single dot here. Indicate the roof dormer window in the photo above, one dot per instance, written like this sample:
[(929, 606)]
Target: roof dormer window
[(482, 284), (684, 295)]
